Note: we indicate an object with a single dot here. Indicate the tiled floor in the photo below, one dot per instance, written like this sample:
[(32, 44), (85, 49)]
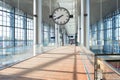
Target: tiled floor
[(63, 63)]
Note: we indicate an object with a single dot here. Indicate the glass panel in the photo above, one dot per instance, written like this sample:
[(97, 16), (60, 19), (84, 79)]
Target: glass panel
[(13, 34)]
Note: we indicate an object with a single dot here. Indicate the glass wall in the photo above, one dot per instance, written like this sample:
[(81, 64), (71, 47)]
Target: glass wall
[(29, 31), (52, 35), (16, 34), (5, 27), (16, 29), (48, 35), (105, 35)]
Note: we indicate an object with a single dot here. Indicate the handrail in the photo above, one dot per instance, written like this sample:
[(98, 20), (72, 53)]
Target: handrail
[(112, 68), (106, 54), (107, 66)]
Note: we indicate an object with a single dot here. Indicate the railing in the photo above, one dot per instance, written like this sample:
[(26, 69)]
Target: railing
[(87, 58), (98, 67), (103, 69), (115, 64), (88, 62)]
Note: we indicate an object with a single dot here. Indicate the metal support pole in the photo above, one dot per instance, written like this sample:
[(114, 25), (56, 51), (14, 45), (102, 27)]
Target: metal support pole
[(12, 23), (95, 67), (56, 35), (82, 22), (87, 24), (35, 25), (25, 29), (105, 36)]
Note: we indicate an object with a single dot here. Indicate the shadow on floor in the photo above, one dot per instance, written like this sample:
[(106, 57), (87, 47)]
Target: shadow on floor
[(5, 77), (16, 76)]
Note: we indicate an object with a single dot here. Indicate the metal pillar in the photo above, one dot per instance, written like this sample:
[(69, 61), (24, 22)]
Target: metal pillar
[(37, 18), (98, 37), (12, 24), (25, 28), (114, 25), (98, 33), (76, 43), (105, 35), (82, 22), (93, 34), (39, 27), (64, 39), (56, 35), (49, 36), (87, 24), (95, 67), (43, 41), (79, 31), (35, 25)]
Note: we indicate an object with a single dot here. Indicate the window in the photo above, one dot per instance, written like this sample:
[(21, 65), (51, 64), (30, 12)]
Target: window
[(29, 31), (46, 35), (16, 29), (52, 34), (108, 33)]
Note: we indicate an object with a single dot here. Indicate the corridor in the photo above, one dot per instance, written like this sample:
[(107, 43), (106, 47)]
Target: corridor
[(63, 63)]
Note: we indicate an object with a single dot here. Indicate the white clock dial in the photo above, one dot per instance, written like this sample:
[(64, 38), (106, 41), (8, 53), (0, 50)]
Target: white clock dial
[(61, 16)]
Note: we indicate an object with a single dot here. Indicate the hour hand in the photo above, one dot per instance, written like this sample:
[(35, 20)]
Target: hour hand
[(59, 17)]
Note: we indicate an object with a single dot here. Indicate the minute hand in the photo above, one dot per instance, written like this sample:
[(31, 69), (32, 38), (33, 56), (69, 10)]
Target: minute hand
[(58, 17)]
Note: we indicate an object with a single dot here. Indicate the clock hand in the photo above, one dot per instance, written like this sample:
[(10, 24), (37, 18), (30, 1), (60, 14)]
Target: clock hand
[(59, 17)]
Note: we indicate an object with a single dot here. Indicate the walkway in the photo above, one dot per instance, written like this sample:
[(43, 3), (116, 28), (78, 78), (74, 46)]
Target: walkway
[(63, 63)]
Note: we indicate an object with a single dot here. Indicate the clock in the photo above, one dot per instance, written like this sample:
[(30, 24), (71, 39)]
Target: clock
[(61, 16)]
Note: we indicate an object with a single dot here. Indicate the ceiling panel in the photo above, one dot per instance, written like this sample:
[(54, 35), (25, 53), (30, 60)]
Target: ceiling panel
[(108, 6), (25, 5)]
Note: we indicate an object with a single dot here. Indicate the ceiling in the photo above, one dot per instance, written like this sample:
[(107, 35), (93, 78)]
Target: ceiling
[(22, 5), (95, 9), (70, 6), (99, 10)]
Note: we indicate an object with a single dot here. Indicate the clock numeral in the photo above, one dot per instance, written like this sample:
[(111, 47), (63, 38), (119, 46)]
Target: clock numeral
[(54, 16)]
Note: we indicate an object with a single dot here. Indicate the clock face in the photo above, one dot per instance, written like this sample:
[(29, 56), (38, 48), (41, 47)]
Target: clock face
[(61, 16)]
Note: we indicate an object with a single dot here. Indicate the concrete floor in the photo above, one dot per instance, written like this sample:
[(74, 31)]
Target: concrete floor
[(63, 63)]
